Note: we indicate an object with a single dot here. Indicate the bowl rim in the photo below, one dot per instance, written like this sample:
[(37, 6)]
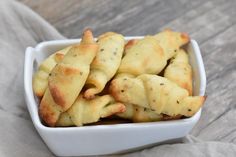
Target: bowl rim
[(32, 104)]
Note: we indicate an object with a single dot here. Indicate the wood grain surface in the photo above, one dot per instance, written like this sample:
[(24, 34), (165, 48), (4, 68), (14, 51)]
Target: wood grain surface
[(211, 22)]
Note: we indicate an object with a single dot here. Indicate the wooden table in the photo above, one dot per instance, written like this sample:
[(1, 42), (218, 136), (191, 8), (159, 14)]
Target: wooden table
[(212, 23)]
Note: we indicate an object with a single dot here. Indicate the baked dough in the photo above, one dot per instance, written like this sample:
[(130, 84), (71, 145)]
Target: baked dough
[(180, 71), (67, 79), (143, 56), (150, 54), (40, 79), (139, 114), (106, 62), (171, 41), (157, 93), (89, 111)]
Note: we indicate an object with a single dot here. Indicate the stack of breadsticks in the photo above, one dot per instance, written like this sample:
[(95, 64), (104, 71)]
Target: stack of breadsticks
[(148, 79)]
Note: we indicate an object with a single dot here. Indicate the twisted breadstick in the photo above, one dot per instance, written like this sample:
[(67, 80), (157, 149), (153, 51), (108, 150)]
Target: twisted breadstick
[(89, 111), (67, 79), (157, 93), (106, 62), (150, 54), (143, 56), (40, 79), (179, 71), (171, 41)]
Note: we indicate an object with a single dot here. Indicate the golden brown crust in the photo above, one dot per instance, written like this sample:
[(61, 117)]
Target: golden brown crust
[(48, 110), (59, 57), (71, 73), (113, 90), (67, 79), (87, 37), (111, 110), (47, 114), (130, 43), (57, 95), (185, 38), (183, 35), (188, 87), (40, 78), (58, 77)]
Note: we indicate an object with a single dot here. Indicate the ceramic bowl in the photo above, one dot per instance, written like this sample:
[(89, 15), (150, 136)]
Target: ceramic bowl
[(107, 139)]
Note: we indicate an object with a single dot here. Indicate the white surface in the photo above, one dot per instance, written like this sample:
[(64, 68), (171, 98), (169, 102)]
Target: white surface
[(106, 139)]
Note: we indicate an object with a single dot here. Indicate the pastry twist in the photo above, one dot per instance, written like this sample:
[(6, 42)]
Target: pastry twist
[(40, 79), (89, 111), (143, 56), (157, 93), (171, 41), (67, 79), (180, 71), (106, 62), (150, 54)]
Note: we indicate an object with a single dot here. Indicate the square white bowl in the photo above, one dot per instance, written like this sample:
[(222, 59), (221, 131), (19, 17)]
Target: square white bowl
[(107, 139)]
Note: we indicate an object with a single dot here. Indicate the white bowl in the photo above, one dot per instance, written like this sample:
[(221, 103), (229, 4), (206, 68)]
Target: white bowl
[(106, 139)]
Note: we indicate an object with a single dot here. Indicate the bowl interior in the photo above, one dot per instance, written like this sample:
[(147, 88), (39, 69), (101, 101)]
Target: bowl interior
[(34, 56)]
